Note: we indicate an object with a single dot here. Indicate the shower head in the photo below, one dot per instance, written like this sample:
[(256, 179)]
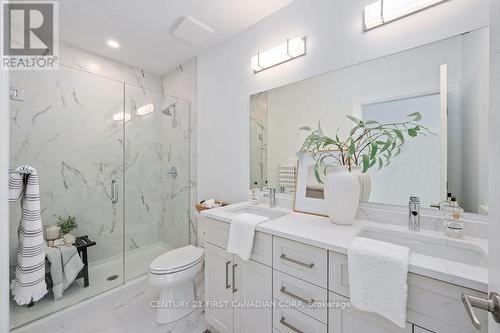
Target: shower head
[(169, 110)]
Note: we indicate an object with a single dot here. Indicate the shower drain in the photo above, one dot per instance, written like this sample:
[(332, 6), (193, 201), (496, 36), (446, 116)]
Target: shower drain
[(112, 277)]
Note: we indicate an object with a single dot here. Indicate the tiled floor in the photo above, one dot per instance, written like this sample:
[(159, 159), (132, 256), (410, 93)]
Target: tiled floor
[(126, 310)]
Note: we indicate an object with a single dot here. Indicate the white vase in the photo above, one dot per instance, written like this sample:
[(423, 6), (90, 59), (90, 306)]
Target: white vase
[(365, 183), (342, 191)]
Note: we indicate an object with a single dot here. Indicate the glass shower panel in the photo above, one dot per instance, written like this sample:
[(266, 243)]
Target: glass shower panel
[(69, 126), (156, 177)]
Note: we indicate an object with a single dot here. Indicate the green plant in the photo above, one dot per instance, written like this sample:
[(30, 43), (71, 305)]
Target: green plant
[(67, 224), (369, 143)]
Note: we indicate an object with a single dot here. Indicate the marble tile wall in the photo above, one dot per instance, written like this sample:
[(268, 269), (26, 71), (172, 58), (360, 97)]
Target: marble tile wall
[(183, 82), (65, 128)]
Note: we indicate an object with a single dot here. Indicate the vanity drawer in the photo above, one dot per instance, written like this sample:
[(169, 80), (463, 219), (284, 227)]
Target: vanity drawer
[(345, 318), (338, 278), (288, 320), (287, 288), (300, 260), (217, 233), (433, 304)]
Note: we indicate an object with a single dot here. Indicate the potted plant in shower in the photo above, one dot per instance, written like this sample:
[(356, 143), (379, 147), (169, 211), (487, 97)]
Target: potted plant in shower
[(67, 224), (342, 163)]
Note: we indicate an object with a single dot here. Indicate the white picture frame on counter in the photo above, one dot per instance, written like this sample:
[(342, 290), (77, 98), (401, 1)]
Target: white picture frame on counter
[(309, 193)]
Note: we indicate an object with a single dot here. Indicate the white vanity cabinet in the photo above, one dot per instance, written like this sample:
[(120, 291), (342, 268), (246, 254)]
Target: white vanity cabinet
[(284, 270), (234, 286), (253, 283), (349, 319), (432, 305), (218, 288)]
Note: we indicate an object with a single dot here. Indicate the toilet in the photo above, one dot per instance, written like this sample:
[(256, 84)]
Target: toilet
[(174, 273)]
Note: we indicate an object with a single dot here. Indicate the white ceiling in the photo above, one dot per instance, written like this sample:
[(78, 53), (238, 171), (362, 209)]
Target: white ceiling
[(142, 27)]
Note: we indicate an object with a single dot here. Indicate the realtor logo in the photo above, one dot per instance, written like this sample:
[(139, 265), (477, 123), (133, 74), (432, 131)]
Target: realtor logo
[(30, 33)]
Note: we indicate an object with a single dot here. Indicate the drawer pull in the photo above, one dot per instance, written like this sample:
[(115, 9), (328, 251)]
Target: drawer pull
[(300, 263), (297, 297), (227, 275), (290, 326), (234, 277)]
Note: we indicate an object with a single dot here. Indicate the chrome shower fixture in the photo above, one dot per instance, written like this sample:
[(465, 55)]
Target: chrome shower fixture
[(169, 110)]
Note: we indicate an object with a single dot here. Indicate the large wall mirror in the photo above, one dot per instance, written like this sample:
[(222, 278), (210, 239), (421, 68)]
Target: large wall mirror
[(446, 82)]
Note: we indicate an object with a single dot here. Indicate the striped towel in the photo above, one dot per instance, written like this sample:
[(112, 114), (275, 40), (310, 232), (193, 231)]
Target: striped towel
[(29, 283)]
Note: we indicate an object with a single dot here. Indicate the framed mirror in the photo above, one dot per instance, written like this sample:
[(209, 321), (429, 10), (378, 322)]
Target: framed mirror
[(446, 82)]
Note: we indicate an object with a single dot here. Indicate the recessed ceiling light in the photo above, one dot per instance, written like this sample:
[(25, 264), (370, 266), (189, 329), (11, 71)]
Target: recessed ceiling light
[(113, 43)]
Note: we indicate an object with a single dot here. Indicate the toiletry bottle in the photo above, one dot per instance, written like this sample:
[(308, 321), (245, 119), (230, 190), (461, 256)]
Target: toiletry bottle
[(454, 220), (255, 194), (443, 206), (445, 203)]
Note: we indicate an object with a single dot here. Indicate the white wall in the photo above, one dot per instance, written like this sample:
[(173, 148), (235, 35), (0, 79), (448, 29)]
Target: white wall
[(335, 39)]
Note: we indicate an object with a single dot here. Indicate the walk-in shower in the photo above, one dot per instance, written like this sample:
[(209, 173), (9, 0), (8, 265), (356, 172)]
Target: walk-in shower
[(104, 151)]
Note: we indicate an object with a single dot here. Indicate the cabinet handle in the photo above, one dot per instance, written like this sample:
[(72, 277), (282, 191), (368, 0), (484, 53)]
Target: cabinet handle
[(234, 274), (297, 297), (290, 326), (300, 263), (227, 275)]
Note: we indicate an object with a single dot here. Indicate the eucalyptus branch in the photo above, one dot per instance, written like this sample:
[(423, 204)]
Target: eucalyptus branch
[(368, 142)]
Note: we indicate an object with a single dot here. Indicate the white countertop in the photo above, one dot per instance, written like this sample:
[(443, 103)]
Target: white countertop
[(319, 231)]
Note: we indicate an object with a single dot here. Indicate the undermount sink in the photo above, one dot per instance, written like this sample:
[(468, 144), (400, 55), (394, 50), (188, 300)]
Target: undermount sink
[(270, 213), (440, 247)]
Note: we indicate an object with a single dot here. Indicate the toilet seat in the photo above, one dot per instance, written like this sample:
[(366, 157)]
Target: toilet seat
[(176, 260)]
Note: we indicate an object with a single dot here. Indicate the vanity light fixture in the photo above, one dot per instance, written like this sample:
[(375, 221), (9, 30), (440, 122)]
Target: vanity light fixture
[(145, 109), (120, 116), (291, 49), (384, 11), (113, 43)]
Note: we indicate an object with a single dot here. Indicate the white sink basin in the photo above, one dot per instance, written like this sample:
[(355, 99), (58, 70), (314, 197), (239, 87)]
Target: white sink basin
[(433, 246), (270, 213)]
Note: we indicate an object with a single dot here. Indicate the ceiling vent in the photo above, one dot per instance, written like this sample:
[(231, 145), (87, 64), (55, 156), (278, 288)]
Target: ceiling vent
[(192, 31)]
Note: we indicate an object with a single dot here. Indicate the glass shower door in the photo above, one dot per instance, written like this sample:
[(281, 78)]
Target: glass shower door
[(70, 128), (157, 189)]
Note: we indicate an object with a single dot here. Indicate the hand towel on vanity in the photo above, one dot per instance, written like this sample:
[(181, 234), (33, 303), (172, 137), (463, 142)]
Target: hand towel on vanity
[(242, 232), (29, 283), (65, 264), (378, 274)]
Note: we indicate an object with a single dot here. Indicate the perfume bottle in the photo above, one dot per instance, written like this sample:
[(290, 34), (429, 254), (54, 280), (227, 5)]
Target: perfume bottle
[(254, 194), (454, 220)]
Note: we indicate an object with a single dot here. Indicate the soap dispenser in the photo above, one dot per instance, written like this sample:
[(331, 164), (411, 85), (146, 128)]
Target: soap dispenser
[(454, 219)]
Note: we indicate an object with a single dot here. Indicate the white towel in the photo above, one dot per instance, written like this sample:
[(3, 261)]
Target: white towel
[(29, 283), (65, 264), (378, 278), (241, 233)]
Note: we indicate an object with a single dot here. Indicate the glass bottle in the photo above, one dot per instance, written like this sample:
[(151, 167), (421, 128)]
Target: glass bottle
[(454, 220)]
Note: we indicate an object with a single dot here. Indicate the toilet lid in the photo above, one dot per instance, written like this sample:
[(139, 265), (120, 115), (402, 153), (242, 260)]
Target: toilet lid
[(177, 259)]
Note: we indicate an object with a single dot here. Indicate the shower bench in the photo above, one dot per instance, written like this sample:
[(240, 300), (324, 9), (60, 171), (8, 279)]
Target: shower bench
[(81, 244)]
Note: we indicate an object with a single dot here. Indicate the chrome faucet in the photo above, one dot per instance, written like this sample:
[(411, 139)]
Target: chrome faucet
[(272, 197), (414, 214)]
